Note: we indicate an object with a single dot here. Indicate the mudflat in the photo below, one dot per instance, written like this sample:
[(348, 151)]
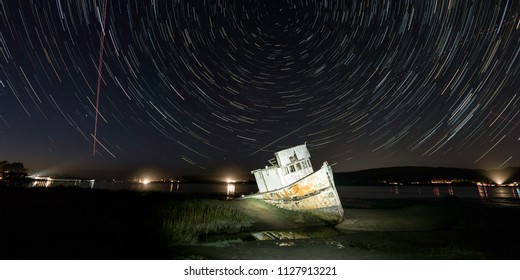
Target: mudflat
[(445, 228)]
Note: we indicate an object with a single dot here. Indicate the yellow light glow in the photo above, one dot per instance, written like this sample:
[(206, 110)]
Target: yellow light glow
[(499, 179), (499, 176), (229, 181), (145, 181)]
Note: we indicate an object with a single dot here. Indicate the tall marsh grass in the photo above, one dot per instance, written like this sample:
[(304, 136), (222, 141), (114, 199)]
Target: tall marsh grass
[(185, 221)]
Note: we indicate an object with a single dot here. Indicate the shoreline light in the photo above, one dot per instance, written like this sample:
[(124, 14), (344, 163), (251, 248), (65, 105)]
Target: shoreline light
[(145, 181)]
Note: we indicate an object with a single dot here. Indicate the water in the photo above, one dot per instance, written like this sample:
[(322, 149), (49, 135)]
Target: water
[(224, 189), (389, 192), (348, 192)]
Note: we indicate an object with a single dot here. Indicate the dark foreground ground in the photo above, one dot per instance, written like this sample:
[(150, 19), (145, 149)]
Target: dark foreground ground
[(71, 223)]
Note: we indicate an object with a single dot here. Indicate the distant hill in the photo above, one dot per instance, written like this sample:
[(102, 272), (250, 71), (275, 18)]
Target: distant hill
[(421, 174)]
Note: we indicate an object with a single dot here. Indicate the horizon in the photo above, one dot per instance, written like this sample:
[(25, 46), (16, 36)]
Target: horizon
[(214, 89), (156, 176)]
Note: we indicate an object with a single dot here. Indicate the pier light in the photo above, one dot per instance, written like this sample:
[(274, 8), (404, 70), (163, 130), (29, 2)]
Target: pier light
[(498, 176), (229, 181)]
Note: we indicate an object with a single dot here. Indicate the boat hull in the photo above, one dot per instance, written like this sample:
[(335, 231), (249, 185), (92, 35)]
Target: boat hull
[(315, 194)]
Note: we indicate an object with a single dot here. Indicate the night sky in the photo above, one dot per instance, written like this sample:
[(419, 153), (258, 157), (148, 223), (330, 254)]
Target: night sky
[(215, 87)]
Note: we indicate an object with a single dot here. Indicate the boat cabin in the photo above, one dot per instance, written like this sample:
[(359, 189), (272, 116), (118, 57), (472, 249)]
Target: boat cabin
[(289, 166)]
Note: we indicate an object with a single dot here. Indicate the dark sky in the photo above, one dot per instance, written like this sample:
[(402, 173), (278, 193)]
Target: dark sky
[(207, 87)]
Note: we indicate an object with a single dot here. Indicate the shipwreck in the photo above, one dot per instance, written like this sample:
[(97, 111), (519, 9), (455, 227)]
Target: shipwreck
[(290, 182)]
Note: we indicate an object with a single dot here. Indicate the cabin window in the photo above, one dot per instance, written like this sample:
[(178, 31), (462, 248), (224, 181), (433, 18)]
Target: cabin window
[(292, 168), (304, 164), (298, 166)]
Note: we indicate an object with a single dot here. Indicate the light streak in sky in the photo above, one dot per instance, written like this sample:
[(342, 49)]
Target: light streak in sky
[(99, 76), (103, 146), (504, 118), (430, 83)]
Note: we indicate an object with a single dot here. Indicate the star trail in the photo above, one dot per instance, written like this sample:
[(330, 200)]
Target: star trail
[(199, 87)]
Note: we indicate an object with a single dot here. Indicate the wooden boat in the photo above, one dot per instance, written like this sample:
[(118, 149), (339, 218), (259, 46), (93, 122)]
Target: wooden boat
[(291, 183)]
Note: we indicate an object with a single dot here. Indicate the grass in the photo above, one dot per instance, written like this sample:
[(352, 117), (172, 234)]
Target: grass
[(74, 223), (185, 221)]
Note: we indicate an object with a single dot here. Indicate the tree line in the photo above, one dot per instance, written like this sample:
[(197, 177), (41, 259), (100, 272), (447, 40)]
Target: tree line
[(12, 173)]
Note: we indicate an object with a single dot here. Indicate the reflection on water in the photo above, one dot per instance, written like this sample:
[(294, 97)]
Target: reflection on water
[(450, 191), (176, 187), (232, 189), (479, 192), (436, 192), (226, 189), (46, 182), (482, 191)]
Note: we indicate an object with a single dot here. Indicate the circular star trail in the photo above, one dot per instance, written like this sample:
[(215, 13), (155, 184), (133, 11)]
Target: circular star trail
[(195, 86)]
